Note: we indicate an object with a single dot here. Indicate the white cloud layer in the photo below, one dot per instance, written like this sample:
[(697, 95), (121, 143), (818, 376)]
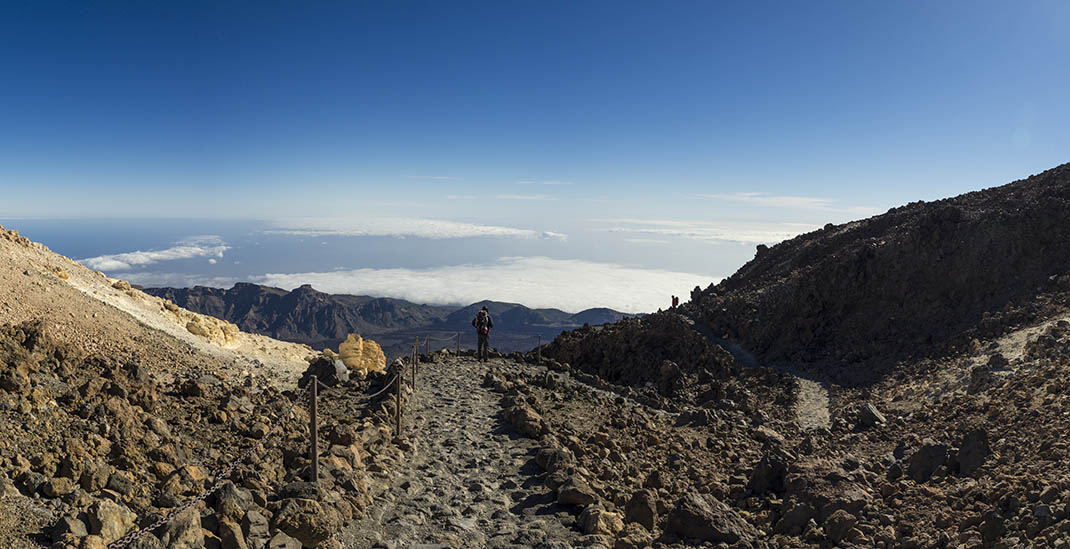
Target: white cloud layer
[(746, 233), (569, 285), (791, 202), (194, 246), (401, 227), (526, 197)]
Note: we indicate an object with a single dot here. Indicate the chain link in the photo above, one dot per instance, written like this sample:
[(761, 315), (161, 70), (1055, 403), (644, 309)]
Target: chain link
[(217, 481)]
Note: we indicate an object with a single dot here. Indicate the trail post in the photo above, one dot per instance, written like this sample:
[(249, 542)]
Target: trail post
[(458, 342), (314, 451), (538, 352), (397, 408)]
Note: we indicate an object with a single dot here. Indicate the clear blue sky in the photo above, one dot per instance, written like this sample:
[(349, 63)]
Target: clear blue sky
[(478, 111)]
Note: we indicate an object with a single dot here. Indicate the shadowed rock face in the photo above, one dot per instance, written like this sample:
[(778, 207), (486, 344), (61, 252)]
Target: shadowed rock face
[(916, 280)]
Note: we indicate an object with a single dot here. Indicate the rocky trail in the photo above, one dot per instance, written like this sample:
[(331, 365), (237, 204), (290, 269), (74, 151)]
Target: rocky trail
[(471, 478), (811, 408)]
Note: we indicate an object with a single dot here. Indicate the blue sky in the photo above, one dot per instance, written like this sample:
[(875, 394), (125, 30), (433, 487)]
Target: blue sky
[(690, 130)]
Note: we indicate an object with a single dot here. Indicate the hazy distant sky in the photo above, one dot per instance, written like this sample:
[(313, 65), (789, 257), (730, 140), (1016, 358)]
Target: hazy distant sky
[(669, 136)]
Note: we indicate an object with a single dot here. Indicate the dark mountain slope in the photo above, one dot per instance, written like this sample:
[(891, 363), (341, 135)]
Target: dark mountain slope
[(303, 315), (306, 315), (919, 279)]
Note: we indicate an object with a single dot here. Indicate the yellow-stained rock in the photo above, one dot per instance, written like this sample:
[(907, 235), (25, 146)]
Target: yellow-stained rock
[(362, 354)]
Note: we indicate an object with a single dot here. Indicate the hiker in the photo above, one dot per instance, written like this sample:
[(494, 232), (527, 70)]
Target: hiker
[(483, 324), (675, 302)]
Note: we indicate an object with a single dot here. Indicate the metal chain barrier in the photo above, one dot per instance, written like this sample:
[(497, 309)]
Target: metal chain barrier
[(217, 483)]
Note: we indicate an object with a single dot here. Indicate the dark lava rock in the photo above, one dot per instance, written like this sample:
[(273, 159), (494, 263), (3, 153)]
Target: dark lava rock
[(704, 517), (329, 371), (924, 462), (973, 452)]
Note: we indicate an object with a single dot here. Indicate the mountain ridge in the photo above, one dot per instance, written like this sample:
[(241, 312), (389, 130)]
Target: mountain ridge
[(306, 315)]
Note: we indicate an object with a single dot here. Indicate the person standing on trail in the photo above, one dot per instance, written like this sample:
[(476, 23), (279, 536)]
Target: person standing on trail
[(483, 324)]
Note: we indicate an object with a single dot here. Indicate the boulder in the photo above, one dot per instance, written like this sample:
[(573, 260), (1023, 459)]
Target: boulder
[(184, 531), (110, 520), (526, 420), (765, 434), (642, 508), (869, 416), (769, 473), (552, 459), (307, 521), (973, 452), (255, 525), (794, 520), (924, 462), (68, 525), (633, 536), (329, 371), (838, 525), (230, 535), (281, 541), (362, 355), (57, 486), (706, 518), (596, 520), (576, 492)]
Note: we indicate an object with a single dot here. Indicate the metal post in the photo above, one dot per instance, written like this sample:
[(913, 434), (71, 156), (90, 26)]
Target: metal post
[(397, 411), (538, 352), (314, 453)]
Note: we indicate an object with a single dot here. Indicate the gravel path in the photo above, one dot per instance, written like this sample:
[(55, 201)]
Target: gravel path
[(812, 404), (472, 481)]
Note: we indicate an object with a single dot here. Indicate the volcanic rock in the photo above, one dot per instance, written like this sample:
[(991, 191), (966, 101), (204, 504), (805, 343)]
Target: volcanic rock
[(706, 518)]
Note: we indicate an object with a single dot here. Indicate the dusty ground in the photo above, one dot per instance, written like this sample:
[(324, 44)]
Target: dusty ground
[(98, 316), (471, 480)]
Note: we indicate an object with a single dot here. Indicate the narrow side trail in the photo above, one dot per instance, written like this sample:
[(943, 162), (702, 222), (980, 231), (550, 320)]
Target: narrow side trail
[(471, 480), (812, 402)]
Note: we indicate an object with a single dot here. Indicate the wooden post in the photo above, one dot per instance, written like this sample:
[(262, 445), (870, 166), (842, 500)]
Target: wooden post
[(314, 453), (415, 361), (397, 411), (427, 345), (538, 352), (458, 342)]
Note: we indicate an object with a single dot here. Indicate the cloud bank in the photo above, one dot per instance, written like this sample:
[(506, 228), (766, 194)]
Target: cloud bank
[(192, 247), (567, 284), (745, 233), (401, 227), (792, 202)]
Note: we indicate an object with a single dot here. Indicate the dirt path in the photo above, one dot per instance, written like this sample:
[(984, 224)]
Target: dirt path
[(812, 403), (472, 481)]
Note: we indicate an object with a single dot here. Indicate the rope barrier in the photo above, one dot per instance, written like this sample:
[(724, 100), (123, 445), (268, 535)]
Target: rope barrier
[(337, 393), (218, 480)]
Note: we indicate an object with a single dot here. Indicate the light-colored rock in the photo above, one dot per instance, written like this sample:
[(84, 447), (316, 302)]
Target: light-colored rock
[(596, 520), (110, 520), (308, 521), (362, 354), (184, 532), (281, 541)]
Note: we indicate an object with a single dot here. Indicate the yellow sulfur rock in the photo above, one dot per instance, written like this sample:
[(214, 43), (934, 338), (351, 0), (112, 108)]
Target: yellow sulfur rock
[(362, 354)]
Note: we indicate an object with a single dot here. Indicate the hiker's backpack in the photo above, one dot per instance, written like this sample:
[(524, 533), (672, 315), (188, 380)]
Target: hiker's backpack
[(483, 323)]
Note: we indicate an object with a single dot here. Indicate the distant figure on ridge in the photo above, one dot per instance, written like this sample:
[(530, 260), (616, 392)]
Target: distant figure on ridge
[(483, 324)]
